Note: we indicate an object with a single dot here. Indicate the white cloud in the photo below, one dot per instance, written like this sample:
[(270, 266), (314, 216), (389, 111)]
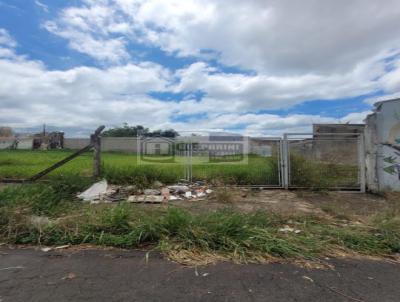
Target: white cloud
[(43, 6), (85, 97), (278, 37), (260, 91), (5, 39), (385, 97), (297, 51), (391, 80)]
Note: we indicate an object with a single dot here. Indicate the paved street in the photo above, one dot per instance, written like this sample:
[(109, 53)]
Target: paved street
[(101, 275)]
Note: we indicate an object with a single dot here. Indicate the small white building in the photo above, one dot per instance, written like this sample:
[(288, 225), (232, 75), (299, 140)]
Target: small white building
[(7, 142)]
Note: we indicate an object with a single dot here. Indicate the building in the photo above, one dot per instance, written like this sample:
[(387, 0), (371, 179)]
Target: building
[(382, 144)]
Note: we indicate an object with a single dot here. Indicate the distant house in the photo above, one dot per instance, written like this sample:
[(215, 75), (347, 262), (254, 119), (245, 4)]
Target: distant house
[(157, 146), (7, 142)]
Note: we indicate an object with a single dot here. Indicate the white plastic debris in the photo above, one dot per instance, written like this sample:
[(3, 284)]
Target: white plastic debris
[(188, 194), (209, 191), (48, 249), (201, 194), (288, 229), (95, 192), (173, 198), (179, 189)]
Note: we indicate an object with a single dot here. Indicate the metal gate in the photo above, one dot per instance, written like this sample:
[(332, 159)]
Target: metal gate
[(299, 160), (324, 160), (231, 159)]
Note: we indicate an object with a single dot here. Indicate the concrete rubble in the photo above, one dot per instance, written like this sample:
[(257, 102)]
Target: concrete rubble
[(102, 192)]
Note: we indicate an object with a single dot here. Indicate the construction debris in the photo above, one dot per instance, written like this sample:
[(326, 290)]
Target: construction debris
[(102, 192), (165, 194), (179, 189), (95, 192), (152, 192), (48, 249), (288, 229), (146, 198)]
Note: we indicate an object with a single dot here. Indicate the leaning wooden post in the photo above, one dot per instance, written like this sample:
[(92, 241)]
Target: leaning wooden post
[(96, 142)]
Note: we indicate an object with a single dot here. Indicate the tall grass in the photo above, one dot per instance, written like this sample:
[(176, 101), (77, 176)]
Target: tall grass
[(305, 172), (124, 168), (246, 237)]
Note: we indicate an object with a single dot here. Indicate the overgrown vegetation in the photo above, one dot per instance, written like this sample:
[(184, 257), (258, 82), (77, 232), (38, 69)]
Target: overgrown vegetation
[(124, 168), (47, 214), (313, 174), (134, 131)]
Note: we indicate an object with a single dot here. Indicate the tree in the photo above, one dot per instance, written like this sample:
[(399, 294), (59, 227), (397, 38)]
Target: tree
[(126, 131), (164, 133), (133, 131)]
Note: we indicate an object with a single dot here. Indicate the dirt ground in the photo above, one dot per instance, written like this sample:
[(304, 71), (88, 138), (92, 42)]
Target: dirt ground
[(347, 205), (350, 205)]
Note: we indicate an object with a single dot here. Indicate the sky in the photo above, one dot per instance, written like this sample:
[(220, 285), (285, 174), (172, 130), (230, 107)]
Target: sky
[(257, 67)]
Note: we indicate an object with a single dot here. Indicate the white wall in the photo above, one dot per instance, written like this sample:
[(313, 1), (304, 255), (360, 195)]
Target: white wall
[(76, 143), (383, 147)]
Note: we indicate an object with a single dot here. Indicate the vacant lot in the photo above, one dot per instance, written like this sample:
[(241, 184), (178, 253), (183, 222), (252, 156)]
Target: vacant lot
[(129, 168), (241, 225)]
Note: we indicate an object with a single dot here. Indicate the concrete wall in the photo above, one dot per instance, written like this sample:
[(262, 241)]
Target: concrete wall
[(75, 143), (119, 144), (6, 143), (20, 143), (383, 147), (152, 145), (25, 143), (340, 150)]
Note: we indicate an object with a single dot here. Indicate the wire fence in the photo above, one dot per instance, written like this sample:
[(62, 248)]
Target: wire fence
[(329, 161)]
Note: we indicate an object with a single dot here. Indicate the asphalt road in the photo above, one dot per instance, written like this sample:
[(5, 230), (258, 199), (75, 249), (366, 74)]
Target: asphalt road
[(100, 275)]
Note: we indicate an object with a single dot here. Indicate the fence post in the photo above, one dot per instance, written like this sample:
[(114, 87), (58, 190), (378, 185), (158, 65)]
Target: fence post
[(96, 142), (362, 164), (285, 162)]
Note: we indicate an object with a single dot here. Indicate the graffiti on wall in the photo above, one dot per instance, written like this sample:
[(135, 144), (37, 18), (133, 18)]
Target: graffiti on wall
[(393, 142), (394, 165)]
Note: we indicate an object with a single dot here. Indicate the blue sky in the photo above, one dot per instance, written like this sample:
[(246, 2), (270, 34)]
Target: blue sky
[(259, 67)]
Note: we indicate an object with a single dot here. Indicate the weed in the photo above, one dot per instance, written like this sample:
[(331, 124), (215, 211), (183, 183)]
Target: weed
[(224, 233), (224, 195), (336, 211)]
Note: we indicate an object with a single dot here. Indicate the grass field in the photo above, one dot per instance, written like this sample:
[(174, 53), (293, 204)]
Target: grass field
[(48, 214), (124, 168)]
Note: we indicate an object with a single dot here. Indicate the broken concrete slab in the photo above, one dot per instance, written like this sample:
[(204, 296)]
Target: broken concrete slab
[(152, 192), (145, 198)]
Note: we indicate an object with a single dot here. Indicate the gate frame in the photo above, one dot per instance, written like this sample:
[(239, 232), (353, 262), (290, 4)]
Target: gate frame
[(188, 169), (285, 162)]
